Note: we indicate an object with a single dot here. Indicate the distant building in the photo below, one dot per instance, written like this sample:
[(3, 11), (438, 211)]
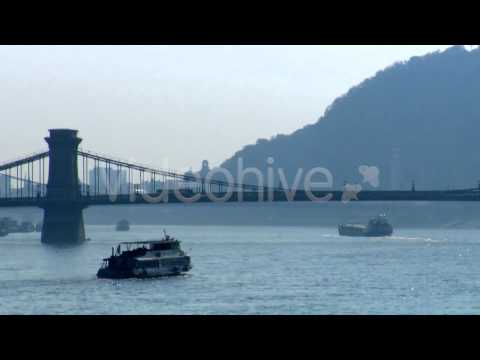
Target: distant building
[(201, 174), (119, 179), (204, 170), (189, 173), (29, 188), (5, 185), (103, 181), (97, 180)]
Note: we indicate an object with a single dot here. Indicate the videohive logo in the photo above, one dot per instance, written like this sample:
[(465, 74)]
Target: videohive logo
[(267, 184)]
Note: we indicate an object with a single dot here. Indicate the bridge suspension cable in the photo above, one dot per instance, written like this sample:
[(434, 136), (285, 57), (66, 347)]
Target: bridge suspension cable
[(22, 161), (24, 178)]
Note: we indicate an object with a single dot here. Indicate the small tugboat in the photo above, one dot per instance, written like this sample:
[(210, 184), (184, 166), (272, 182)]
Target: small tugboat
[(377, 227), (123, 225), (146, 259)]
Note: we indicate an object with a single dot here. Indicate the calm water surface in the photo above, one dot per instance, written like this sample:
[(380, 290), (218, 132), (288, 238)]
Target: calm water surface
[(252, 270)]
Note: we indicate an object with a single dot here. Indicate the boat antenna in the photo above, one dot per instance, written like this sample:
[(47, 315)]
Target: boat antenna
[(165, 232)]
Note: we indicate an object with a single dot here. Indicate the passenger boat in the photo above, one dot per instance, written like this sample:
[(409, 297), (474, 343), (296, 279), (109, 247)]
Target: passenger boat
[(146, 259), (377, 227)]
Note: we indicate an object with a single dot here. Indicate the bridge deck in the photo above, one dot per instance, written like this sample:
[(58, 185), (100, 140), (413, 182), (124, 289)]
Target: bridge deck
[(300, 196)]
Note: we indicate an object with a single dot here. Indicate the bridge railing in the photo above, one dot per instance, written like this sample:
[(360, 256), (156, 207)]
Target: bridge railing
[(102, 175)]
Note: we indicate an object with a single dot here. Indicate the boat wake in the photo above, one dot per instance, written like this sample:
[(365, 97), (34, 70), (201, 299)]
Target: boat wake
[(391, 238), (413, 239)]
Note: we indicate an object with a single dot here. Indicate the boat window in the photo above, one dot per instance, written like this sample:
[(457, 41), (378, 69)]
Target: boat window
[(167, 246)]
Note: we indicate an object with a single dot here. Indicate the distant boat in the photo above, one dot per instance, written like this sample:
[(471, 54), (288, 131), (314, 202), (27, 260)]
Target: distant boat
[(123, 225), (377, 227), (9, 225), (3, 227)]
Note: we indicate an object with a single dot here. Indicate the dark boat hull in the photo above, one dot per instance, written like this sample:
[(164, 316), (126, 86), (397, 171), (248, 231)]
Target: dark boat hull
[(142, 273), (108, 274), (358, 231)]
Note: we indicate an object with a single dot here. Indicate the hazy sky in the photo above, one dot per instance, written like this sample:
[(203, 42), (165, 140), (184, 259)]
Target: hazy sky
[(181, 103)]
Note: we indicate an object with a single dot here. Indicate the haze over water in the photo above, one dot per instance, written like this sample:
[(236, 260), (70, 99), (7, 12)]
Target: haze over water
[(251, 270)]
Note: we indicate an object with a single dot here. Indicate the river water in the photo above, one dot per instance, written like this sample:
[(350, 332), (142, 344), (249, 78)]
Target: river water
[(252, 270)]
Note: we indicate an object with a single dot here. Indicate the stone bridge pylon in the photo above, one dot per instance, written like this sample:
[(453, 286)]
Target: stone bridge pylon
[(63, 205)]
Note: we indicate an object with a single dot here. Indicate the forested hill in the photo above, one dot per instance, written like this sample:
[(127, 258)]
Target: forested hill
[(424, 112)]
